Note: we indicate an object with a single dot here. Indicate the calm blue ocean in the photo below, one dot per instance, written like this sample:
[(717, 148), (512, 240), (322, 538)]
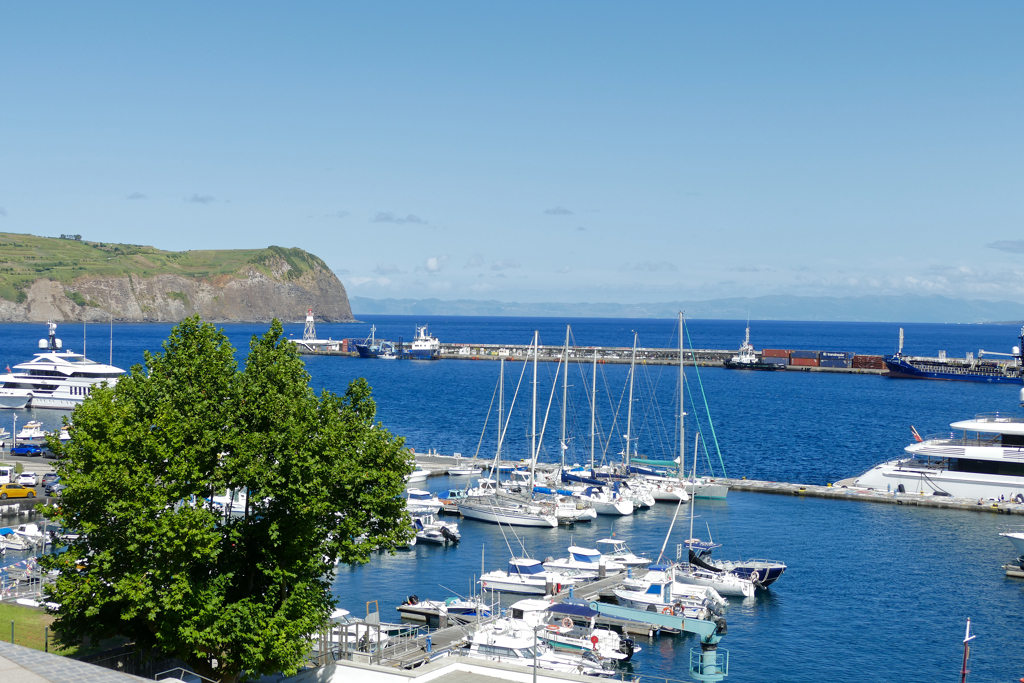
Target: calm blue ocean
[(874, 592)]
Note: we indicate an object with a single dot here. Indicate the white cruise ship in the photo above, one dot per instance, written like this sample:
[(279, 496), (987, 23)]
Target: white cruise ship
[(984, 460), (54, 378)]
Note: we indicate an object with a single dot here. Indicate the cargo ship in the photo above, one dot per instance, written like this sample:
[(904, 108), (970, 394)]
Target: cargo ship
[(967, 369)]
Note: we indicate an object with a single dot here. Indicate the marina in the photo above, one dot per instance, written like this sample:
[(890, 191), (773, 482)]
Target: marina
[(782, 434)]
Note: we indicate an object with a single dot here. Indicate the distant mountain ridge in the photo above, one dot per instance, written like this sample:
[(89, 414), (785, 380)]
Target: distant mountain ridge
[(908, 308)]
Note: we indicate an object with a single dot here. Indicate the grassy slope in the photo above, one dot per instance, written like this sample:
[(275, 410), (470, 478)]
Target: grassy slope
[(26, 258)]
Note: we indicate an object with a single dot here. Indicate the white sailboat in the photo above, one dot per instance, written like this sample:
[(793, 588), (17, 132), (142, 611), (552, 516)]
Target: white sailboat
[(499, 508)]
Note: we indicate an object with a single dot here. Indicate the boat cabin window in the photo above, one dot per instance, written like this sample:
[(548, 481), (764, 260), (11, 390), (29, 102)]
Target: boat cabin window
[(1006, 469), (654, 589), (498, 651), (517, 614), (1013, 440)]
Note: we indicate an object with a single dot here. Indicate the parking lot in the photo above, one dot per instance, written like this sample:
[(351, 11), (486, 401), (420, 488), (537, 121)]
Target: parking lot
[(41, 465)]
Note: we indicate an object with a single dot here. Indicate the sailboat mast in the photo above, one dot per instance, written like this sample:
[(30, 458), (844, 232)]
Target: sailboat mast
[(696, 439), (629, 412), (533, 429), (501, 403), (593, 411), (682, 403), (111, 362), (565, 392)]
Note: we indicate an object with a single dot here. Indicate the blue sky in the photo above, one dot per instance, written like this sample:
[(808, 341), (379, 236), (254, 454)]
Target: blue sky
[(573, 151)]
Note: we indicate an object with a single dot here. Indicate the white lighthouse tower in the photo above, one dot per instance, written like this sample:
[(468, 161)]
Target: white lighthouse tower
[(309, 334), (309, 343)]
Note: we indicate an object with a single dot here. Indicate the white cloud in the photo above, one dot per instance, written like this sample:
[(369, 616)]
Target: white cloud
[(434, 264), (475, 261)]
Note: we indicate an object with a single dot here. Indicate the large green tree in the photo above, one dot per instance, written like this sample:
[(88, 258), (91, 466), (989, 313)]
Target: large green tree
[(160, 563)]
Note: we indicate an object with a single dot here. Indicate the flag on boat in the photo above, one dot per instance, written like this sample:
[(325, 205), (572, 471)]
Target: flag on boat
[(917, 437)]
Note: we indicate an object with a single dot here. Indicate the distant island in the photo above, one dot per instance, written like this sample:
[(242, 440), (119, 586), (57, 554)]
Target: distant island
[(907, 308), (68, 278)]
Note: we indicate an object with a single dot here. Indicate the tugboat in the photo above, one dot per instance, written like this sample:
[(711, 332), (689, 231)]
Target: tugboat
[(747, 358), (969, 369)]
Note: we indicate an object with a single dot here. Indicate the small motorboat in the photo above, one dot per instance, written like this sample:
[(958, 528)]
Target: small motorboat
[(511, 641), (429, 529), (420, 502), (454, 610), (616, 550), (525, 575), (588, 561), (562, 633), (418, 474)]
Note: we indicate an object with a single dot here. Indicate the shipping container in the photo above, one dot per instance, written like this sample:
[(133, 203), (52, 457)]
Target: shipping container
[(804, 354), (804, 362), (775, 353), (869, 362), (834, 363), (836, 355), (344, 345), (774, 360)]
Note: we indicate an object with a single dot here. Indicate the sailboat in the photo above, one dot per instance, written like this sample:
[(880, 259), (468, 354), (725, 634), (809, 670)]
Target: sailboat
[(601, 494), (504, 508), (699, 573), (662, 486)]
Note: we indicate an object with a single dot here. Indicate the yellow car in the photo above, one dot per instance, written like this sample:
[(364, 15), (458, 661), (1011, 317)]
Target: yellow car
[(16, 491)]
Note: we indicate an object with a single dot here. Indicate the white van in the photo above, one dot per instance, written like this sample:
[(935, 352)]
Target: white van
[(7, 474)]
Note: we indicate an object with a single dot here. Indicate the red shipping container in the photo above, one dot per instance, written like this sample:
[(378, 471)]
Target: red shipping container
[(806, 362), (775, 353)]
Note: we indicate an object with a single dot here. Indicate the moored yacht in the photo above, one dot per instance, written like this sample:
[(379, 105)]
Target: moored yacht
[(985, 460), (54, 378)]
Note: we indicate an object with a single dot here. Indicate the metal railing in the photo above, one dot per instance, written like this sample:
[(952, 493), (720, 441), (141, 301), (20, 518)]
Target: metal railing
[(178, 673)]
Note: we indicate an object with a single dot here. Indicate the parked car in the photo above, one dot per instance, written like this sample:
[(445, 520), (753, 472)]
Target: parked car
[(48, 488), (28, 479), (15, 491), (55, 490), (49, 478), (27, 449)]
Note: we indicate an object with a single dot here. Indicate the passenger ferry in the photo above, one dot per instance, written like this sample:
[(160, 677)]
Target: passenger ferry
[(985, 460), (54, 378)]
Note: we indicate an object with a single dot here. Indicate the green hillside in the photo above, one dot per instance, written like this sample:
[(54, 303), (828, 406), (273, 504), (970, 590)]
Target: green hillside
[(27, 258)]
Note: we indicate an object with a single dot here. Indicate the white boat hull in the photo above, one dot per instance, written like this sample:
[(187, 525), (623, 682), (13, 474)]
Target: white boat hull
[(707, 490), (504, 516), (1017, 539), (616, 507), (891, 475), (13, 401)]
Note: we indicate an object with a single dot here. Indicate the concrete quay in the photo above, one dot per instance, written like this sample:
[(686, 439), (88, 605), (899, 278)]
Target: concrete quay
[(844, 490)]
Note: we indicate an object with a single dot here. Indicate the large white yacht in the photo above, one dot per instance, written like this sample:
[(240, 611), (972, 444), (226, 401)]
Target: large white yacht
[(985, 460), (54, 378)]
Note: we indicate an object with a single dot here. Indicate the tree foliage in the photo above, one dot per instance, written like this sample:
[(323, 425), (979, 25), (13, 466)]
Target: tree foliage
[(162, 564)]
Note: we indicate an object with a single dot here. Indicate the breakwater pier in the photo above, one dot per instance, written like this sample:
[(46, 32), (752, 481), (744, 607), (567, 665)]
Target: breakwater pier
[(793, 361)]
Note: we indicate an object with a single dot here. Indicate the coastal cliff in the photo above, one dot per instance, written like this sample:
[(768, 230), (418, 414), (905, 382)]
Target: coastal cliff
[(43, 278)]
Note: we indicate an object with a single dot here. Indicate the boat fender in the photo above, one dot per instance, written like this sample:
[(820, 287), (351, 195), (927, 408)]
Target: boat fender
[(1019, 498), (567, 622), (666, 610)]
